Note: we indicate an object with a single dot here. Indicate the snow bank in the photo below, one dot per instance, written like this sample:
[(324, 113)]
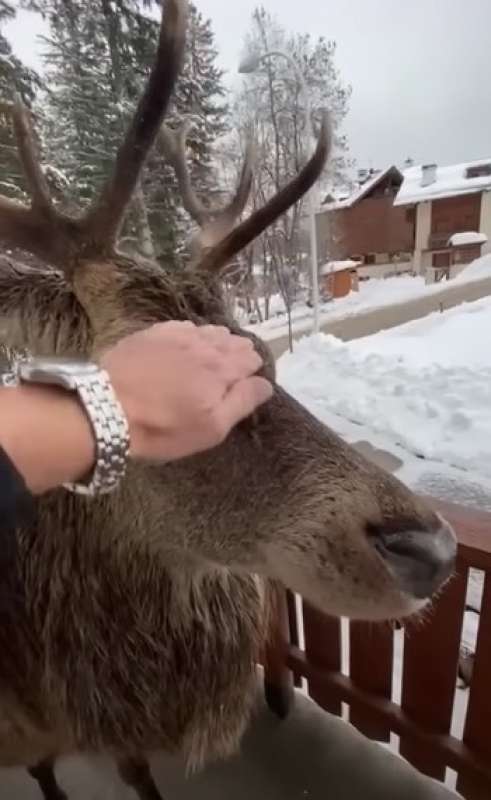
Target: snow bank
[(425, 386), (374, 293), (478, 269)]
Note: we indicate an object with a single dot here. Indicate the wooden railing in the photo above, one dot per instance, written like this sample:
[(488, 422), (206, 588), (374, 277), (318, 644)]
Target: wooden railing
[(423, 718)]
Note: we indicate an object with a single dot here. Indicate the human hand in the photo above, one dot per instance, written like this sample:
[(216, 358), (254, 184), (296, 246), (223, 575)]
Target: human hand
[(184, 387)]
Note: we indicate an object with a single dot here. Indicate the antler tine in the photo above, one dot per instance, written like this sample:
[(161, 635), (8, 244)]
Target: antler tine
[(222, 221), (239, 201), (173, 146), (217, 257), (28, 151), (30, 227), (214, 223), (104, 219)]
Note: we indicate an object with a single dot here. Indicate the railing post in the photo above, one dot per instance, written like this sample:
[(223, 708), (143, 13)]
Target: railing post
[(278, 678)]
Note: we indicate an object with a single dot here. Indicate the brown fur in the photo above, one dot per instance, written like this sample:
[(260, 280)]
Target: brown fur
[(138, 619), (133, 622)]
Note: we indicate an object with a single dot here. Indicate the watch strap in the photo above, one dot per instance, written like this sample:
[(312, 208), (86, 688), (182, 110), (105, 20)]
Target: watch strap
[(111, 434)]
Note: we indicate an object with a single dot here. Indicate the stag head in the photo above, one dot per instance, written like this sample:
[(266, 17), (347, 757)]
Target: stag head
[(283, 496)]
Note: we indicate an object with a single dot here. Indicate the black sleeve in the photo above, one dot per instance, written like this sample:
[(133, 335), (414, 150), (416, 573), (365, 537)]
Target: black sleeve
[(16, 508), (16, 502)]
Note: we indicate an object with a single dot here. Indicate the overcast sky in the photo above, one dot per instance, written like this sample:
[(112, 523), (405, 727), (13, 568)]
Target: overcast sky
[(420, 69)]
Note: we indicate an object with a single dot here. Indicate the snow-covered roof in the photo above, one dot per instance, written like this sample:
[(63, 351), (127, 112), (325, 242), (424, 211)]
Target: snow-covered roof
[(338, 266), (467, 237), (359, 193), (449, 181)]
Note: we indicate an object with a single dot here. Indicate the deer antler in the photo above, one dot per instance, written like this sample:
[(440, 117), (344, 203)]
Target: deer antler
[(57, 238), (222, 253), (105, 219), (62, 241), (173, 146), (214, 223), (29, 155)]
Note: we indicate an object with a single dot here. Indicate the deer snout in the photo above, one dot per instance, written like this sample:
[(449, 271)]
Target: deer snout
[(421, 561)]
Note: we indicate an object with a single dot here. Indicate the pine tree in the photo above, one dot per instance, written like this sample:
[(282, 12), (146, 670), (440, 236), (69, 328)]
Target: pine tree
[(98, 55), (15, 78)]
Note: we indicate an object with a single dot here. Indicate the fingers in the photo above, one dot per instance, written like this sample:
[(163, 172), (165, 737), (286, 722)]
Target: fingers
[(218, 336), (231, 356), (243, 399)]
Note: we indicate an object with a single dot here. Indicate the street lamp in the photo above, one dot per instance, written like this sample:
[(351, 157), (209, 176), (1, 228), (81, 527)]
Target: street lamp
[(249, 65)]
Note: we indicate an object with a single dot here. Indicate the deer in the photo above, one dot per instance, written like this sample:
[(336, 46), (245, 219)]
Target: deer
[(133, 623)]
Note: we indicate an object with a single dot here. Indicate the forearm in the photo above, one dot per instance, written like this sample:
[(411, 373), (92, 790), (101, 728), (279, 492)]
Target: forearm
[(46, 434)]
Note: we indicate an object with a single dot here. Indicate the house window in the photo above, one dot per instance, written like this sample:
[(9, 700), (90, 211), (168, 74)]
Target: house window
[(479, 172), (369, 258)]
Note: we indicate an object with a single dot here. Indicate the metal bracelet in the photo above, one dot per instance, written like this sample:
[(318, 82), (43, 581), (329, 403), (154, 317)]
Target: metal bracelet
[(111, 434)]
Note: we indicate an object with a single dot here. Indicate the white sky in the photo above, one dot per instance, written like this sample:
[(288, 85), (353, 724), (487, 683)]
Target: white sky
[(420, 69)]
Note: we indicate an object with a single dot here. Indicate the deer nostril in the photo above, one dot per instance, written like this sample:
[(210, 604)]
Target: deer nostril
[(421, 560)]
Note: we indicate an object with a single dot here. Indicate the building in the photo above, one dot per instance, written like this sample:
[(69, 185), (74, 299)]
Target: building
[(338, 278), (452, 210), (367, 227)]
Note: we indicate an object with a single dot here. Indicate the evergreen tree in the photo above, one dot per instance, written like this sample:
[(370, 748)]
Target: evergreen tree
[(98, 55), (15, 78)]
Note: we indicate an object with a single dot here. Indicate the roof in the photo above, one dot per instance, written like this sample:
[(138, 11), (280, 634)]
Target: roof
[(338, 266), (449, 181), (361, 191)]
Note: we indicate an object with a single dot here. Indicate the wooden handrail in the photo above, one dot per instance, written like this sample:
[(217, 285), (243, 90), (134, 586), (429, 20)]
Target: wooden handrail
[(455, 753), (473, 530), (425, 738)]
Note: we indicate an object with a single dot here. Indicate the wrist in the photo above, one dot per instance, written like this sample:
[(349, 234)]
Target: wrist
[(47, 435)]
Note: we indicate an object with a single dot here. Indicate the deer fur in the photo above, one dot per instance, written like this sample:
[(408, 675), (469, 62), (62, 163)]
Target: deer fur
[(132, 623)]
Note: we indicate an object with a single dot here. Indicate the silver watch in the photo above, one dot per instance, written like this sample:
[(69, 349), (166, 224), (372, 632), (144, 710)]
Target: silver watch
[(101, 405)]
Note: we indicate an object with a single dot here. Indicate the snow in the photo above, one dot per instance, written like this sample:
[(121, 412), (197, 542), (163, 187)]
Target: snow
[(372, 294), (425, 386), (338, 266), (467, 237), (476, 270), (421, 392), (450, 181)]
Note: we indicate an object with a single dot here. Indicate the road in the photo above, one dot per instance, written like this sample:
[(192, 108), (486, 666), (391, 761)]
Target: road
[(368, 322)]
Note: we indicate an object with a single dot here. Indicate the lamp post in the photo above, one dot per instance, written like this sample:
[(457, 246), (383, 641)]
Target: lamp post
[(246, 67)]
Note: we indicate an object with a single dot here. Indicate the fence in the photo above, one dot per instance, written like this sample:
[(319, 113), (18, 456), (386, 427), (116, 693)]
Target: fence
[(422, 717)]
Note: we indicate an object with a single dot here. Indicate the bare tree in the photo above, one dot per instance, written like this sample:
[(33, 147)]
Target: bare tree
[(272, 99)]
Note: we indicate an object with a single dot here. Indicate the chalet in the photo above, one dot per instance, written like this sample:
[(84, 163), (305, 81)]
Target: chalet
[(367, 227), (452, 210)]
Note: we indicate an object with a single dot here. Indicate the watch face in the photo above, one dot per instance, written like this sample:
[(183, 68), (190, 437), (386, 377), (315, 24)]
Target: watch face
[(56, 371)]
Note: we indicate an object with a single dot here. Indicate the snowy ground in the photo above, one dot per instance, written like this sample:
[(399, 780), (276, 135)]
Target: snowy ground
[(372, 294), (422, 392)]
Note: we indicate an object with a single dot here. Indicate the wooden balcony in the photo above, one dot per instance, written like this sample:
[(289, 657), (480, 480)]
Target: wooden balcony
[(422, 714)]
